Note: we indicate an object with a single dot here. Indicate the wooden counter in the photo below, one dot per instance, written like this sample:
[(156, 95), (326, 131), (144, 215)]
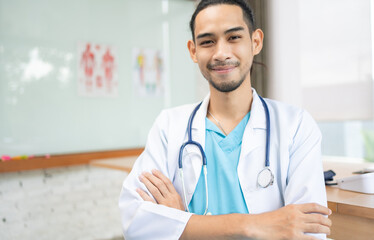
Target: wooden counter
[(121, 163), (353, 213)]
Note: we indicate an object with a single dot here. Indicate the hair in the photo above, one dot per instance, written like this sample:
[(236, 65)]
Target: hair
[(247, 12)]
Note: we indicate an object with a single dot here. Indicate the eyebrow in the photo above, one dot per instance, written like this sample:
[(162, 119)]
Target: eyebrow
[(235, 29)]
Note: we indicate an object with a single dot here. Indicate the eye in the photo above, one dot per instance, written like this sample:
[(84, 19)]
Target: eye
[(206, 43), (235, 37)]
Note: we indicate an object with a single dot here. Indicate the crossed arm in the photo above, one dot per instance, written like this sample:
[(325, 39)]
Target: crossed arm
[(289, 222)]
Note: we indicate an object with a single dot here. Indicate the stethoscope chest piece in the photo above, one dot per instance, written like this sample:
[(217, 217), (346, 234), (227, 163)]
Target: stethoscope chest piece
[(265, 178)]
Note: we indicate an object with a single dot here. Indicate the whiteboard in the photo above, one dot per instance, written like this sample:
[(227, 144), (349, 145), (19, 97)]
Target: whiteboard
[(42, 111)]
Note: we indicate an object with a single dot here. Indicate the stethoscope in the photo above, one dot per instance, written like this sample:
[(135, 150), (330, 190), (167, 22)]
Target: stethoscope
[(265, 177)]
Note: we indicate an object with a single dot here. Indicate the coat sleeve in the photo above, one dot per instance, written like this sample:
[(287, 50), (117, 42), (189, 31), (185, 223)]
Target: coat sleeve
[(305, 181), (146, 220)]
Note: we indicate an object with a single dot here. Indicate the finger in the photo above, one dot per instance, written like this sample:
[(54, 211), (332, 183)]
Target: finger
[(316, 228), (317, 218), (144, 195), (151, 188), (158, 183), (166, 180), (315, 208)]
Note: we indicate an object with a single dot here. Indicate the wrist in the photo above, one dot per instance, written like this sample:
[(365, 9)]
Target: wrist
[(247, 226)]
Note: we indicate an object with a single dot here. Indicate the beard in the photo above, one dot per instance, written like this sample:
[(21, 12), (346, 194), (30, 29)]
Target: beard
[(226, 86)]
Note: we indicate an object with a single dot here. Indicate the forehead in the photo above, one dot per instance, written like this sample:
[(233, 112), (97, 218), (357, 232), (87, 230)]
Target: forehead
[(218, 18)]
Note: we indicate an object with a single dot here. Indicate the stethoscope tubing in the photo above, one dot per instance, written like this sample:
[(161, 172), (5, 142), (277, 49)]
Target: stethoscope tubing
[(267, 116), (204, 161)]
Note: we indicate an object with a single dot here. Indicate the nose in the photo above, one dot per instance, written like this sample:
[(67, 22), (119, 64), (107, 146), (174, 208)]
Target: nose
[(222, 51)]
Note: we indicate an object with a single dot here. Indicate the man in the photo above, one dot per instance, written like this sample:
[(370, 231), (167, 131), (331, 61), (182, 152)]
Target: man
[(231, 127)]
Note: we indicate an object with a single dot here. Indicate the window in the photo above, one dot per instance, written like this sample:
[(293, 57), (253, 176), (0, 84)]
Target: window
[(321, 58)]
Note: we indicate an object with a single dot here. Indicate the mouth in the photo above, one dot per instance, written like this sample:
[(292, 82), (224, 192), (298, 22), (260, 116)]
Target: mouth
[(223, 67), (223, 70)]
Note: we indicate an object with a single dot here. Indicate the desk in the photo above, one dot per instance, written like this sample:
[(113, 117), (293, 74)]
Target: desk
[(353, 213), (120, 163)]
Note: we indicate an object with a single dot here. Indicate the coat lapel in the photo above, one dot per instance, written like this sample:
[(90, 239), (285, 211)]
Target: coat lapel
[(253, 133), (252, 156)]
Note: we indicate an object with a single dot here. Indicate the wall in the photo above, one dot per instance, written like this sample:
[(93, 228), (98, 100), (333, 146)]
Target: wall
[(62, 203), (320, 58), (283, 49), (41, 109), (42, 113)]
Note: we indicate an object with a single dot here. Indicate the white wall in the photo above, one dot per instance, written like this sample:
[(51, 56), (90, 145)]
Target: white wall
[(79, 202)]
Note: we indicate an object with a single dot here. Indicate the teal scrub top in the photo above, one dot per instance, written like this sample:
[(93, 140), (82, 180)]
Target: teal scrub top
[(222, 153)]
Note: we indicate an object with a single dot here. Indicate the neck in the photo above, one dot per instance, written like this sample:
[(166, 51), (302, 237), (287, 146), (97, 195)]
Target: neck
[(231, 105), (230, 108)]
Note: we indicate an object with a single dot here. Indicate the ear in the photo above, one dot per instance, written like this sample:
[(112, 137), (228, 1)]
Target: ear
[(192, 48), (257, 41)]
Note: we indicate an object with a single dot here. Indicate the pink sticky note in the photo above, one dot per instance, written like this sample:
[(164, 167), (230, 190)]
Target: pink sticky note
[(6, 158), (47, 156)]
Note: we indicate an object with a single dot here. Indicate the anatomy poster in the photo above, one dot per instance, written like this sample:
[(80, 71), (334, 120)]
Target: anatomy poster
[(148, 72), (97, 70)]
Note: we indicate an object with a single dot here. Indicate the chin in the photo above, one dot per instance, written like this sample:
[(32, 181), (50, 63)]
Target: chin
[(226, 87)]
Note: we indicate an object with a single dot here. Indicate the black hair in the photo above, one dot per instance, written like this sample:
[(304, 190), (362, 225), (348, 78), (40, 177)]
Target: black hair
[(247, 12)]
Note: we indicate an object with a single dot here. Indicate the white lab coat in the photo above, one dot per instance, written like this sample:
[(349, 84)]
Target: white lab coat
[(295, 160)]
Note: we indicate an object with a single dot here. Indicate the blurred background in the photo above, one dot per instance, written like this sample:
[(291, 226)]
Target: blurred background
[(85, 80)]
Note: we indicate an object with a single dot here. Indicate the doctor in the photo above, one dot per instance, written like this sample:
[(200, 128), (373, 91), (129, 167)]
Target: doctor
[(231, 126)]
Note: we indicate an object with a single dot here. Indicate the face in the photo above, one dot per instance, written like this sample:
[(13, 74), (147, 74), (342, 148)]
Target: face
[(223, 46)]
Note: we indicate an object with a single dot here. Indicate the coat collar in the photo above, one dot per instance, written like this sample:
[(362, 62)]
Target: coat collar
[(258, 117), (254, 133), (199, 121)]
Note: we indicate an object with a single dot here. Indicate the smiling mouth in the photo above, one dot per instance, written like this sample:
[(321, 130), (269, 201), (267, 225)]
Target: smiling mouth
[(223, 67), (223, 70)]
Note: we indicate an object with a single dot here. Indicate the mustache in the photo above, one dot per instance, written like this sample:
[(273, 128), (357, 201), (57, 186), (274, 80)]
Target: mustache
[(211, 66)]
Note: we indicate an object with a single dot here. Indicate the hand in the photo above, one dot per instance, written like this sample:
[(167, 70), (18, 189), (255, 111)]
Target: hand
[(292, 222), (161, 188)]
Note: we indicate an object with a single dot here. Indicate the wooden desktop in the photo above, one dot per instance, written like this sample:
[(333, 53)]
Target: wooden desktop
[(353, 213)]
